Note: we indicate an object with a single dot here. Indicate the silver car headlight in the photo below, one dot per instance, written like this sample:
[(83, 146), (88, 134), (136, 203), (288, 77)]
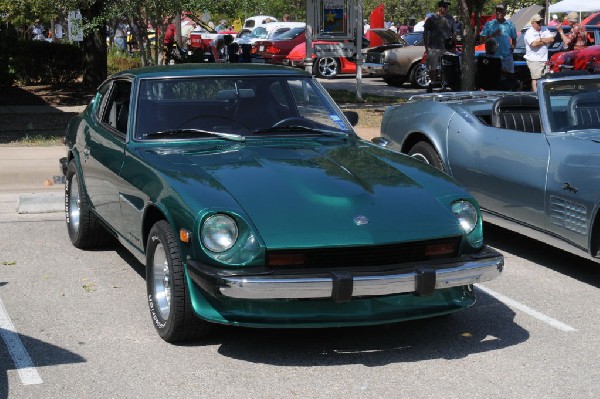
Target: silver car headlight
[(219, 233), (467, 215), (229, 239)]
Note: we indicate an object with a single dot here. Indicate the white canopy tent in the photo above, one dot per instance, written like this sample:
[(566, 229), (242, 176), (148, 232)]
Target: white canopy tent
[(575, 5)]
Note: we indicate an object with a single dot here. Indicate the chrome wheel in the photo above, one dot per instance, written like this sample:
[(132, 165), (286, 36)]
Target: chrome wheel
[(161, 279), (420, 76), (74, 205), (327, 67)]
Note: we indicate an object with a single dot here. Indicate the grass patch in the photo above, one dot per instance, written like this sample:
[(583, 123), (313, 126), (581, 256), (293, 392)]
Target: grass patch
[(348, 97), (33, 140)]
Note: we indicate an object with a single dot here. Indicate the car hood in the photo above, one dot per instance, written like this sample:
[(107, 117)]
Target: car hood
[(388, 36), (311, 195)]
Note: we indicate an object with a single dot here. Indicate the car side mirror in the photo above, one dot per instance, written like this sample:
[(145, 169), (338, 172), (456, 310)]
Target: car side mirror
[(352, 117), (380, 141)]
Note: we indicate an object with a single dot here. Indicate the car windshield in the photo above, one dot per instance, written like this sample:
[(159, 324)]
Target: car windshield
[(259, 32), (227, 107), (290, 34), (414, 39), (572, 104)]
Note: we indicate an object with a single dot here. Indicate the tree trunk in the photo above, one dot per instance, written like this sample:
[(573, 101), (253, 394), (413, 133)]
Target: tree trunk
[(470, 34), (94, 48)]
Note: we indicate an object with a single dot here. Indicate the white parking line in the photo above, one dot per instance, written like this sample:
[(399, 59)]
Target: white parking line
[(18, 353), (526, 309)]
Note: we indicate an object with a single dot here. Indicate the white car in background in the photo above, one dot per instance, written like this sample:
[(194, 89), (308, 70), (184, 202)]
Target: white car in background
[(253, 22)]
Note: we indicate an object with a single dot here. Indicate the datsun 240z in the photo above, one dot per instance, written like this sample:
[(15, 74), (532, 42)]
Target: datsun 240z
[(251, 201)]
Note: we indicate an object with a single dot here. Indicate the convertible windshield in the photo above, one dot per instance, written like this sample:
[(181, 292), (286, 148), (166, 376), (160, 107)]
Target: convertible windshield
[(573, 104), (239, 106)]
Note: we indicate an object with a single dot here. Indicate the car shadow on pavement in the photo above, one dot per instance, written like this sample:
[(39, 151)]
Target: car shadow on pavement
[(545, 255), (41, 353), (487, 326)]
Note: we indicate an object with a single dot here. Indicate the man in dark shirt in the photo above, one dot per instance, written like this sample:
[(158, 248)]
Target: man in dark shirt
[(438, 34)]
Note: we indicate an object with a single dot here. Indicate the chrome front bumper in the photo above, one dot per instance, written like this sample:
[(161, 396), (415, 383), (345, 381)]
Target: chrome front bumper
[(343, 286)]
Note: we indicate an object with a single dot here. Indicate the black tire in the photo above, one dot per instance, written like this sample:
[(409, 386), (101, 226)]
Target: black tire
[(84, 227), (419, 76), (326, 67), (168, 295), (424, 152), (394, 80)]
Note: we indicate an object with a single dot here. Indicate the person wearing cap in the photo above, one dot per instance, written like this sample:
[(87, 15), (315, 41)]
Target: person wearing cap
[(438, 32), (577, 38), (505, 34), (554, 21), (537, 40)]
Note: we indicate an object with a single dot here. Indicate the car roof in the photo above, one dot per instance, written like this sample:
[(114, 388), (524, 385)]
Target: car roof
[(274, 25), (198, 70)]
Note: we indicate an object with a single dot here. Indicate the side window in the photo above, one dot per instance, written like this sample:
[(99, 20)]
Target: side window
[(100, 100), (116, 112)]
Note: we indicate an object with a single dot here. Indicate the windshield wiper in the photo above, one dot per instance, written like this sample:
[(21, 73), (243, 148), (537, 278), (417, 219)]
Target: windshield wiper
[(193, 132), (299, 128)]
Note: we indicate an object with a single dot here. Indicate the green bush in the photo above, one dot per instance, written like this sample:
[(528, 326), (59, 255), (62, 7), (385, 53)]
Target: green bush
[(40, 62), (8, 45), (119, 61)]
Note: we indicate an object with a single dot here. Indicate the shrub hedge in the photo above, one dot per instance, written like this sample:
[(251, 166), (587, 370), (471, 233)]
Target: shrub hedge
[(41, 62)]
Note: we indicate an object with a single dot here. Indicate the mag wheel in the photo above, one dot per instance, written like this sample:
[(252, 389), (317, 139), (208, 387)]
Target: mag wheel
[(419, 76), (327, 67), (168, 294)]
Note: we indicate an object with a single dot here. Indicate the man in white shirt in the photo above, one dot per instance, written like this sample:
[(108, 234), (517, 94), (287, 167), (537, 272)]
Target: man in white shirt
[(536, 49)]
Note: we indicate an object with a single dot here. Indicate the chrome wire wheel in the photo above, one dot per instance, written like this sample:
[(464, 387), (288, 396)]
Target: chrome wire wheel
[(161, 279), (74, 205)]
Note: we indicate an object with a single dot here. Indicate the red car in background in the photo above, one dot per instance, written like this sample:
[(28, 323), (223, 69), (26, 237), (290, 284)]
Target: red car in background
[(325, 67), (275, 51), (587, 58)]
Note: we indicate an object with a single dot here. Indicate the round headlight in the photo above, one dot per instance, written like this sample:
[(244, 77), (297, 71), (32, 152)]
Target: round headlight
[(466, 213), (219, 233)]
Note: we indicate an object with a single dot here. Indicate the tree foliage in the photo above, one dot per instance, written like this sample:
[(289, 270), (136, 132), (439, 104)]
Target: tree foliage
[(97, 14)]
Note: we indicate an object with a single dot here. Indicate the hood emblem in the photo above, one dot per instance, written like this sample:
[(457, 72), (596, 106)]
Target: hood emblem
[(360, 220)]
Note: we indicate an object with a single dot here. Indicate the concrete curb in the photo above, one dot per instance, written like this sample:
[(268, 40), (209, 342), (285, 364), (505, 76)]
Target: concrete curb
[(41, 203)]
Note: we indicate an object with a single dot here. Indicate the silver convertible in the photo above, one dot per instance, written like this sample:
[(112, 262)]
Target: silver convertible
[(532, 161)]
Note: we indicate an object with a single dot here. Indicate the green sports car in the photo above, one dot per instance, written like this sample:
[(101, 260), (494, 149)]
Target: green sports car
[(250, 199)]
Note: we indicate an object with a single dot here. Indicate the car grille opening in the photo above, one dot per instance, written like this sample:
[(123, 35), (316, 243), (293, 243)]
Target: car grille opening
[(371, 255)]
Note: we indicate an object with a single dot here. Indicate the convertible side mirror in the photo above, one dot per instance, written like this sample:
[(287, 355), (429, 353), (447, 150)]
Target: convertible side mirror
[(352, 117)]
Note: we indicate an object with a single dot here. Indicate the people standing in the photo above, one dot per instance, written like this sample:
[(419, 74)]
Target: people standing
[(120, 36), (536, 49), (577, 38), (505, 34), (169, 40), (438, 33), (554, 21)]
